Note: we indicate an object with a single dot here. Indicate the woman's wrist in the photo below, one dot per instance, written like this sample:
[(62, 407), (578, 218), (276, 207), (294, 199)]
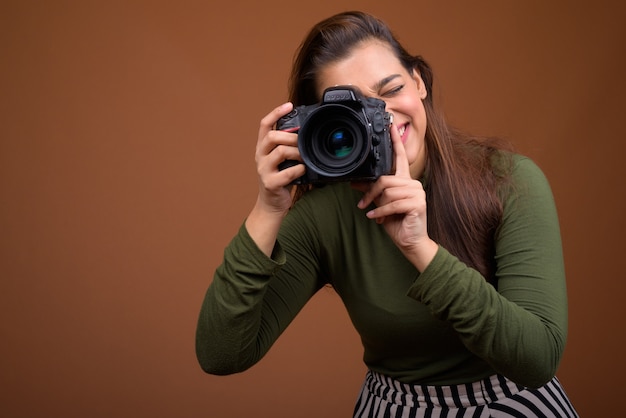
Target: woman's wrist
[(263, 225), (421, 255)]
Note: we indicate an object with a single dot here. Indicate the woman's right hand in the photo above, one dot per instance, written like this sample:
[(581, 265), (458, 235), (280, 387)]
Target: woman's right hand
[(273, 147), (274, 198)]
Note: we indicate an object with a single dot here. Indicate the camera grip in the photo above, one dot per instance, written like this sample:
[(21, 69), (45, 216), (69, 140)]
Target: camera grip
[(287, 164), (289, 123)]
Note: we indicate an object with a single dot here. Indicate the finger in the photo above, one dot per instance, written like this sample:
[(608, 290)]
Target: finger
[(274, 139), (282, 153), (373, 191), (268, 122), (402, 161), (396, 207), (271, 172)]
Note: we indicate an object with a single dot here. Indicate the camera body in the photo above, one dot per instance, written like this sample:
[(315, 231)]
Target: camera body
[(345, 137)]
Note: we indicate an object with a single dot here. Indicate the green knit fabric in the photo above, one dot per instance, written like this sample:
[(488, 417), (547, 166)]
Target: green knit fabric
[(444, 326)]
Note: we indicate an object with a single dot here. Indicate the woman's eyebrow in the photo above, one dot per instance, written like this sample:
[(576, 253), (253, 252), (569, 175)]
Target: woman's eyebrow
[(379, 85)]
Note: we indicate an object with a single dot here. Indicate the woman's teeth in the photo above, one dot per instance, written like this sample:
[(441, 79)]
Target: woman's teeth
[(401, 130)]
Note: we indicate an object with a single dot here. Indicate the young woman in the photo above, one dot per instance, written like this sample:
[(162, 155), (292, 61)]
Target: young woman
[(450, 268)]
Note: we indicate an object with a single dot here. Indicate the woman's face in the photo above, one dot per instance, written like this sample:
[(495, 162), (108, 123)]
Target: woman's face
[(376, 71)]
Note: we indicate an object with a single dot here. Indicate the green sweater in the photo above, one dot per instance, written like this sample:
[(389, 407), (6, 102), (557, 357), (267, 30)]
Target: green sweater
[(445, 326)]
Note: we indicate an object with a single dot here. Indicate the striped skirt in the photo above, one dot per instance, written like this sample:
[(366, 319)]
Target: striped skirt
[(495, 396)]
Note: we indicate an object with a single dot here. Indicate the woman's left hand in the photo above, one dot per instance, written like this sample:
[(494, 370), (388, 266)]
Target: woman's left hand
[(401, 208)]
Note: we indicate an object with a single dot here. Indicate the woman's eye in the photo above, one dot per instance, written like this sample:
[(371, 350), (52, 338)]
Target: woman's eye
[(393, 91)]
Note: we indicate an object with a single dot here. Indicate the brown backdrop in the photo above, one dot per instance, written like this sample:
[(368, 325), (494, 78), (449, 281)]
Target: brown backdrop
[(126, 164)]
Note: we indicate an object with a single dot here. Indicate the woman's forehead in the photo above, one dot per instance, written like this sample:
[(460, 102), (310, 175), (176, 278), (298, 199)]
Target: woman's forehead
[(365, 66)]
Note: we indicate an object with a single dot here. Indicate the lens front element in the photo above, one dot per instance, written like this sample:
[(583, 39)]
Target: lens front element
[(340, 143)]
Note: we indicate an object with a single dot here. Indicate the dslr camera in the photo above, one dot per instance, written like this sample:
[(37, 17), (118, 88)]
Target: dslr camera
[(345, 137)]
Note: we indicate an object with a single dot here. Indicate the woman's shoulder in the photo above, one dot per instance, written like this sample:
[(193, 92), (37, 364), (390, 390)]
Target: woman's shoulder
[(526, 179), (525, 170)]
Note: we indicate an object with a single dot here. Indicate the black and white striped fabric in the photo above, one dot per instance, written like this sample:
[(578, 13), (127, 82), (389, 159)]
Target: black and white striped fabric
[(495, 397)]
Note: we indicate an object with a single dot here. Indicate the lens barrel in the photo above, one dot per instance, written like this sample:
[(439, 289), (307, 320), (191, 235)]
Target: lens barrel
[(334, 141)]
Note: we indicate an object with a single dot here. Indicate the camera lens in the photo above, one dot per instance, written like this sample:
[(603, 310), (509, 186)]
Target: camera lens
[(340, 143), (334, 140)]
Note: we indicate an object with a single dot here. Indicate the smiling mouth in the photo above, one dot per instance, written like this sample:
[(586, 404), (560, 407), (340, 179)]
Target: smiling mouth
[(401, 130)]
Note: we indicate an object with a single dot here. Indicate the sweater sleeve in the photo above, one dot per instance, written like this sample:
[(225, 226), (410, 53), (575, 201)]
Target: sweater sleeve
[(519, 328), (247, 306)]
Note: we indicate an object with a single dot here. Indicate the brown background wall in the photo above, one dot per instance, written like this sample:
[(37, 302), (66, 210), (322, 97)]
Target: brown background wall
[(126, 164)]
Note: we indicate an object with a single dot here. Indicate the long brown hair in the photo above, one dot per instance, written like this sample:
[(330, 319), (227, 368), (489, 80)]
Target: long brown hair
[(462, 174)]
